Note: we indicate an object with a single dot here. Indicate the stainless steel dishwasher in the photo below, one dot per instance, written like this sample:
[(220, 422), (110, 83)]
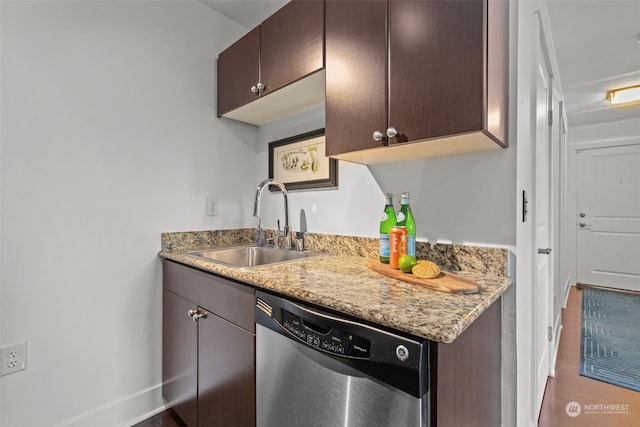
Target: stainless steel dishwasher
[(319, 369)]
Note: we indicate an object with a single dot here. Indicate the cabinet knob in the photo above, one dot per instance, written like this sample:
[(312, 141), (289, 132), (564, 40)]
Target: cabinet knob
[(378, 136), (257, 89), (196, 314), (392, 132)]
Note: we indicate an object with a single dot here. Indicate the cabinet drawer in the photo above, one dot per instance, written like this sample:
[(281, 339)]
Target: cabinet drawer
[(230, 300)]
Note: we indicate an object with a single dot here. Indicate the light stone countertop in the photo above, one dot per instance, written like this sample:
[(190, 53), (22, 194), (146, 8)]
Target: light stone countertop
[(345, 284)]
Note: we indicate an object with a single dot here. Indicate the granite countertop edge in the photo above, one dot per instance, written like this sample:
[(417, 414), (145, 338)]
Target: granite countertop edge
[(346, 285)]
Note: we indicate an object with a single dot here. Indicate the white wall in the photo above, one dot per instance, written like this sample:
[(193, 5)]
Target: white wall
[(352, 209), (109, 137), (464, 199)]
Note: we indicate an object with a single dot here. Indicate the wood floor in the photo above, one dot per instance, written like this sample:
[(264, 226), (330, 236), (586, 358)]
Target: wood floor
[(167, 418), (568, 386)]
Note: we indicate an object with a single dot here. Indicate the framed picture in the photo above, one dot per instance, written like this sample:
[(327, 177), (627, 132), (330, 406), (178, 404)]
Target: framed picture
[(300, 162)]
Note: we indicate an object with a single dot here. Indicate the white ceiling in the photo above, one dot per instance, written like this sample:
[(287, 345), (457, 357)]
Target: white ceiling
[(249, 13), (596, 43)]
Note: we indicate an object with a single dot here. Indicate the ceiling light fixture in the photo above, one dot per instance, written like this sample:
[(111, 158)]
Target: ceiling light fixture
[(624, 95)]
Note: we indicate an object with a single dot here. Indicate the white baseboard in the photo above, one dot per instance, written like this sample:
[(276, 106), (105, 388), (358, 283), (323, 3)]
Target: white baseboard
[(125, 412), (567, 289), (557, 326), (554, 355)]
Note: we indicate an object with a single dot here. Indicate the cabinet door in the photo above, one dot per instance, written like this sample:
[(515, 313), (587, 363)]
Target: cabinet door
[(230, 300), (238, 71), (356, 58), (179, 357), (436, 69), (356, 63), (227, 374), (291, 43), (466, 374)]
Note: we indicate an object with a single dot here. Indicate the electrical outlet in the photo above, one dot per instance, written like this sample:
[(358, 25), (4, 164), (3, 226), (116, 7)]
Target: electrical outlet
[(212, 206), (13, 359)]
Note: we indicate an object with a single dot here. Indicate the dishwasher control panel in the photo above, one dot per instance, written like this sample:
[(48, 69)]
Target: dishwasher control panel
[(331, 340)]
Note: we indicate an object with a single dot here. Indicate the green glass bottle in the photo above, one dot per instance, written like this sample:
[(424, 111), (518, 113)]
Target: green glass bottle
[(387, 221), (405, 217)]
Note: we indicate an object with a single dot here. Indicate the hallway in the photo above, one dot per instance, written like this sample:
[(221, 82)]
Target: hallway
[(568, 386)]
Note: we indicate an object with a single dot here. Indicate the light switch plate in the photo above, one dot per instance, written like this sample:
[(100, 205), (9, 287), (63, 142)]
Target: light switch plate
[(213, 206)]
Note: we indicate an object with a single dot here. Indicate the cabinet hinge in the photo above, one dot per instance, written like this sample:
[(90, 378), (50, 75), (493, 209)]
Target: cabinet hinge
[(550, 333), (550, 120)]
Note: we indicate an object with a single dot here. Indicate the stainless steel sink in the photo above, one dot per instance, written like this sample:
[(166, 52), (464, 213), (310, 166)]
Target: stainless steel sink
[(253, 256)]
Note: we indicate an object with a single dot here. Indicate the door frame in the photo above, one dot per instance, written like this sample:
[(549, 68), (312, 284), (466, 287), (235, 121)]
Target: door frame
[(561, 285), (543, 315), (533, 25)]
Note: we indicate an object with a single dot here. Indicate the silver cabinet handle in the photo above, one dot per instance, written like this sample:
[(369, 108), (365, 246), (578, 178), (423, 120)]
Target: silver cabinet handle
[(378, 136), (196, 314), (545, 251), (257, 89), (582, 215), (583, 225), (392, 132)]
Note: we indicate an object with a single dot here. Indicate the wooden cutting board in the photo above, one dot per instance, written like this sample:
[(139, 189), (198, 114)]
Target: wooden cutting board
[(445, 282)]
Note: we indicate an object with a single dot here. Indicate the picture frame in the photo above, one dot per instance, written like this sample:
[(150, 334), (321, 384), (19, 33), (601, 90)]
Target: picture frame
[(300, 162)]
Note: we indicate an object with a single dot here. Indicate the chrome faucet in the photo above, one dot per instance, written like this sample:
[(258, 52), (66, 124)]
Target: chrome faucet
[(256, 211)]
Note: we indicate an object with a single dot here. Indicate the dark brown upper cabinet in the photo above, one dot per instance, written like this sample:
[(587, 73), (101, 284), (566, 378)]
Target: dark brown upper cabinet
[(408, 79), (276, 70), (238, 72)]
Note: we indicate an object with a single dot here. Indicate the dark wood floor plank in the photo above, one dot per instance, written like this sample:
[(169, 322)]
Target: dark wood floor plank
[(166, 418), (569, 386)]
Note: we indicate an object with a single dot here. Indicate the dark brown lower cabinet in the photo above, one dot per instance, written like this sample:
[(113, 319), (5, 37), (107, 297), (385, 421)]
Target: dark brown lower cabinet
[(208, 365), (179, 357), (208, 348), (226, 368), (466, 375)]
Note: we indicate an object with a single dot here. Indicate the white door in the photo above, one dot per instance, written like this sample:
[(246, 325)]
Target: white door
[(542, 203), (608, 217)]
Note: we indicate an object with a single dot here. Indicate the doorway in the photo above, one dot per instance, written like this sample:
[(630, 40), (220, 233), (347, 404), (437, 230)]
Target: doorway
[(608, 217)]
